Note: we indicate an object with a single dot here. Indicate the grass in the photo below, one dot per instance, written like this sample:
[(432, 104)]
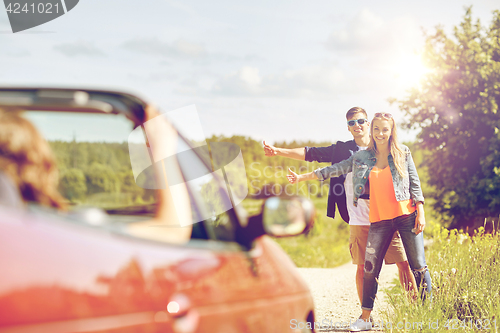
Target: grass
[(465, 273), (325, 246)]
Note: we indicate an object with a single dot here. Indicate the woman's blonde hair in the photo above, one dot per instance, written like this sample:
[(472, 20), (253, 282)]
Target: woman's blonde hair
[(28, 160), (398, 154)]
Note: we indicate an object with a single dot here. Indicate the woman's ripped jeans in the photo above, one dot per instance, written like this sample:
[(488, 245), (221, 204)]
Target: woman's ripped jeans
[(379, 238)]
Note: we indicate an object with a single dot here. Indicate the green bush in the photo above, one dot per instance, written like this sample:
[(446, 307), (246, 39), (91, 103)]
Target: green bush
[(465, 273)]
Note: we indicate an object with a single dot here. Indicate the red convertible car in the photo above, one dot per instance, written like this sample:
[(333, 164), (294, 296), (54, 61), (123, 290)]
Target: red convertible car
[(131, 254)]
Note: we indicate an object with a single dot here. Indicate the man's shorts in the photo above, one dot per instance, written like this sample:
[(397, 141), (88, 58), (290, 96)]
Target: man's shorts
[(357, 246)]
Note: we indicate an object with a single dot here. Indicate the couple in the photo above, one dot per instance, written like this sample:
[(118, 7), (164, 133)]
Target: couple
[(396, 202)]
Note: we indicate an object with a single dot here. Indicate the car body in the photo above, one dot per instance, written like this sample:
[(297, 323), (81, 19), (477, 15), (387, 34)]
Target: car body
[(88, 270)]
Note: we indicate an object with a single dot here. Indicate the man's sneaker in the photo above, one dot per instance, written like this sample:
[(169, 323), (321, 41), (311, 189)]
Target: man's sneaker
[(360, 325)]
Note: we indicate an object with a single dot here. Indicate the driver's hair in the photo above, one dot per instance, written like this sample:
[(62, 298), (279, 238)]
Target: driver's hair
[(28, 160)]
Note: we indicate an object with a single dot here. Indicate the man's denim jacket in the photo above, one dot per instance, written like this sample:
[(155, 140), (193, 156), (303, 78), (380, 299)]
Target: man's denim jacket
[(362, 163)]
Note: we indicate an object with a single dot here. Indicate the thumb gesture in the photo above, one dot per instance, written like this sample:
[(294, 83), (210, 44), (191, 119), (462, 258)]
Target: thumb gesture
[(292, 177), (269, 150)]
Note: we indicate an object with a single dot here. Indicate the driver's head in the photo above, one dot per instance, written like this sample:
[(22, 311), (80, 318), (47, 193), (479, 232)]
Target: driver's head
[(28, 160)]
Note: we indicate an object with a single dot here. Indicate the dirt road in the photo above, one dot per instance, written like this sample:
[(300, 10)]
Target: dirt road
[(334, 293)]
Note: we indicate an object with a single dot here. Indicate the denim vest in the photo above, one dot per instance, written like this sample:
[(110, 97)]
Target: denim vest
[(362, 163)]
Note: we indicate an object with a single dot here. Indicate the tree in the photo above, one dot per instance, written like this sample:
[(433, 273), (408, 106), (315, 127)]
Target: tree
[(129, 187), (73, 184), (456, 110), (101, 178)]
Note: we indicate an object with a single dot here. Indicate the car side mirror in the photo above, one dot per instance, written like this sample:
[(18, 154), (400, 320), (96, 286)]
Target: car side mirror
[(280, 217), (287, 216)]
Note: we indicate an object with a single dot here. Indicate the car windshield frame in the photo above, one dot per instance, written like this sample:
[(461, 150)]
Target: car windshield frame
[(54, 101)]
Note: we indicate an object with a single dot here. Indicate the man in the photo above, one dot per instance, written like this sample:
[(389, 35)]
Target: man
[(341, 196)]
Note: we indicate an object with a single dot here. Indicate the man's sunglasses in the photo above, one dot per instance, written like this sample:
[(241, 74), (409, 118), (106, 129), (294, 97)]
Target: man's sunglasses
[(384, 115), (351, 123)]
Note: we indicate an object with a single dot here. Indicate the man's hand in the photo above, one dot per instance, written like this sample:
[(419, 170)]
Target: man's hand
[(295, 153), (269, 150)]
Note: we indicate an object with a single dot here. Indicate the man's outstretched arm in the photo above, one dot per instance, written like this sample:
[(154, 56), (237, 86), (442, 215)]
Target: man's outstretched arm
[(295, 153)]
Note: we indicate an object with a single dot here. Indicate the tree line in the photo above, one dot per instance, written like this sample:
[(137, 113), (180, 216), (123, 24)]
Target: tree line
[(97, 173), (100, 173)]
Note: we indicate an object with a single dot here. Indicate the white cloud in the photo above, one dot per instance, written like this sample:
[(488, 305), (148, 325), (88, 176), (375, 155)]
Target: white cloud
[(250, 76), (17, 53), (313, 81), (245, 81), (358, 32), (79, 48), (367, 32), (179, 49), (374, 52), (190, 49)]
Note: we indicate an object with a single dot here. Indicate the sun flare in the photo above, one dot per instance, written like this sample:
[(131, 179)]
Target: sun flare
[(409, 70)]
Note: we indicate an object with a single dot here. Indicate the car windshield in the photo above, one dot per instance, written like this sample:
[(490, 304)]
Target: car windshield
[(104, 162), (93, 158)]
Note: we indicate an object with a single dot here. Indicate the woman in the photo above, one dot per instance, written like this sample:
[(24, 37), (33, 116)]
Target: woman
[(396, 203), (26, 160)]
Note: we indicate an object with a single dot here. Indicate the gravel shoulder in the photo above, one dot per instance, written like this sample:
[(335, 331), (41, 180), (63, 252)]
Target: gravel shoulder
[(335, 296)]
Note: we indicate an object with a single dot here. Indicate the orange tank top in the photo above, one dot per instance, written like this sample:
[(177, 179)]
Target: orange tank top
[(383, 203)]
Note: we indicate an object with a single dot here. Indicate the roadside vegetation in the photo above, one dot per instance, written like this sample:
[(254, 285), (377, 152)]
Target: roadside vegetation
[(465, 274)]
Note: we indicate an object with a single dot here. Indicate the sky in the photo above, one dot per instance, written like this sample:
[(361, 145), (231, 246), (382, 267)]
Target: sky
[(274, 70)]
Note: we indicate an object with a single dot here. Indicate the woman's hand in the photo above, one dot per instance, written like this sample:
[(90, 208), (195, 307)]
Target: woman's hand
[(293, 177), (420, 220)]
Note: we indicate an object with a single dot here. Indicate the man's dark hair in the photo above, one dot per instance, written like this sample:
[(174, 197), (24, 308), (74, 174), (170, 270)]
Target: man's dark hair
[(353, 111)]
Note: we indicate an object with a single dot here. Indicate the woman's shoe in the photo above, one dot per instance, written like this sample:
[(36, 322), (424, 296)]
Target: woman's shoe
[(371, 319), (360, 325)]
